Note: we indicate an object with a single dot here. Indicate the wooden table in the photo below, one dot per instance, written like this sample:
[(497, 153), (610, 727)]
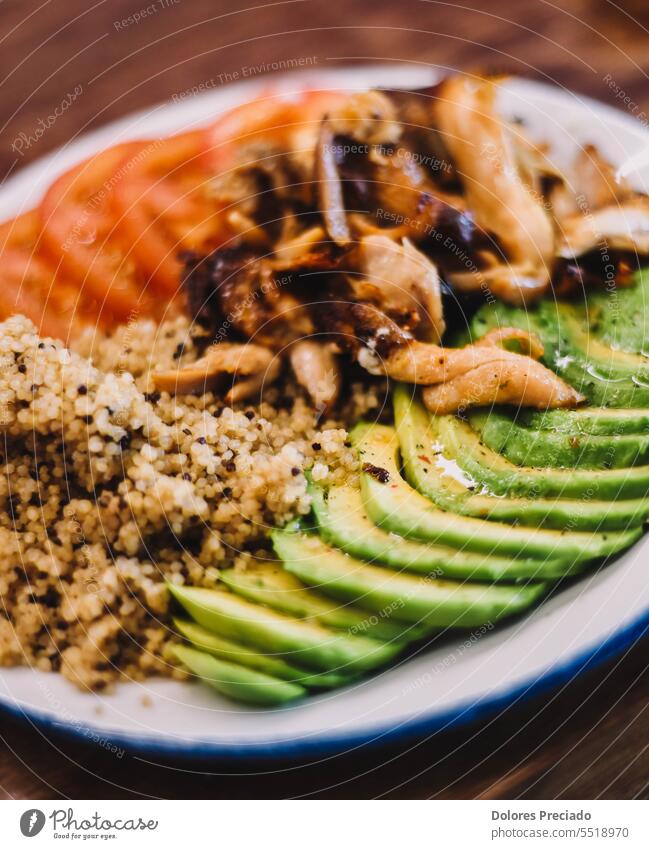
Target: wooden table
[(589, 740)]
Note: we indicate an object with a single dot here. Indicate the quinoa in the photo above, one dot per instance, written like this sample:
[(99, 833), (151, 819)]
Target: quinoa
[(110, 489)]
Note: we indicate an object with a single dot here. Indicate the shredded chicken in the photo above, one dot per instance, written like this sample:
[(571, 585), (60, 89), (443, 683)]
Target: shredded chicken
[(368, 116), (251, 386), (254, 363), (365, 220), (619, 227), (402, 281), (501, 382), (316, 368), (596, 181), (330, 190), (476, 374), (479, 142), (533, 163), (304, 249), (405, 192)]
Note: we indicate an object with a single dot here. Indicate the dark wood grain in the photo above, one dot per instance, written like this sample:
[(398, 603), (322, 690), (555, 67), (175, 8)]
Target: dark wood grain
[(589, 740)]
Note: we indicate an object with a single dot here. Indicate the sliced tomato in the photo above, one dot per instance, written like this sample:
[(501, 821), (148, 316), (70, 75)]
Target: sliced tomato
[(274, 116), (163, 208), (30, 285), (20, 232), (78, 233)]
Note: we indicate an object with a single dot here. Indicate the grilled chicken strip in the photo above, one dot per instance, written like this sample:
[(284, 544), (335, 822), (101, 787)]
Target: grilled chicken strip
[(367, 117), (503, 381), (596, 181), (316, 368), (480, 146), (476, 374), (405, 194), (402, 282), (255, 364), (251, 386), (618, 227)]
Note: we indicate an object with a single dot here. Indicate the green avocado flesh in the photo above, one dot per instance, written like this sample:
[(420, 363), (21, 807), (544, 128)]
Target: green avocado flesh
[(410, 598), (453, 522), (525, 446), (618, 316), (502, 477), (399, 508), (272, 585), (432, 465), (297, 641), (238, 682), (595, 421), (209, 642), (343, 522)]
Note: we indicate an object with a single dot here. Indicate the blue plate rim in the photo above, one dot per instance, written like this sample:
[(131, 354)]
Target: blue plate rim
[(324, 744)]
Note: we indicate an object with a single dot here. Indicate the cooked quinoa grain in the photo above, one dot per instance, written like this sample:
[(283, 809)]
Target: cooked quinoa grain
[(109, 489)]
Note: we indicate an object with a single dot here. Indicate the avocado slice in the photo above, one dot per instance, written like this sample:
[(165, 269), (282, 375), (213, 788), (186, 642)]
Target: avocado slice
[(394, 505), (550, 449), (438, 603), (618, 316), (270, 584), (502, 477), (211, 643), (608, 377), (432, 466), (295, 640), (595, 421), (344, 523), (238, 682)]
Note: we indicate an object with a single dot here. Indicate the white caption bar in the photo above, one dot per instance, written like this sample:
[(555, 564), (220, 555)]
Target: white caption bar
[(325, 824)]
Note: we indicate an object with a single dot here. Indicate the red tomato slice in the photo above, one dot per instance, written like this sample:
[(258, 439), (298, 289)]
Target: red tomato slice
[(30, 285), (271, 115), (162, 207), (78, 233)]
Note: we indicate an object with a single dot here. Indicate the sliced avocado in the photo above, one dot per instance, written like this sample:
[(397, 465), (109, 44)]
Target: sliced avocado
[(502, 477), (295, 640), (209, 642), (438, 603), (238, 682), (606, 376), (432, 465), (343, 522), (364, 622), (394, 505), (596, 421), (270, 584), (548, 449), (618, 316)]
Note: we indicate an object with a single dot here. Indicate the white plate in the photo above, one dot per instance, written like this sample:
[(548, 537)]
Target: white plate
[(464, 679)]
